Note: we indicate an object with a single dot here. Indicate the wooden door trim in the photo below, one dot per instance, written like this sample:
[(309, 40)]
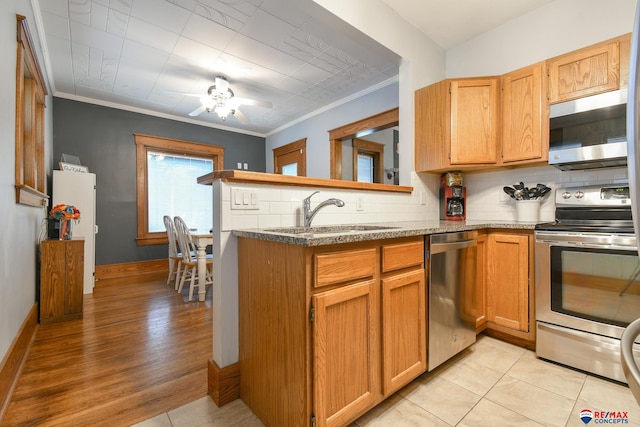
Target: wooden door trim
[(374, 123), (299, 145)]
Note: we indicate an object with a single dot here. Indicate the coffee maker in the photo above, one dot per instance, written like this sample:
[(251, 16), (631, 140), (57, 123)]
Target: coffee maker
[(452, 197)]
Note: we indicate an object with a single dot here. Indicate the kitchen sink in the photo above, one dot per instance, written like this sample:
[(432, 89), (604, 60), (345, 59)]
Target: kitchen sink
[(330, 229)]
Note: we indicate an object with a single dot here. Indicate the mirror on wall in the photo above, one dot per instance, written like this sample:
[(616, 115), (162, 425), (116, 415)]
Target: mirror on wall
[(367, 150)]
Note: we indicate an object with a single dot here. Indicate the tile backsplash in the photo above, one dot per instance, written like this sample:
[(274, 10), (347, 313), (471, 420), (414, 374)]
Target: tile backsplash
[(487, 201), (281, 206)]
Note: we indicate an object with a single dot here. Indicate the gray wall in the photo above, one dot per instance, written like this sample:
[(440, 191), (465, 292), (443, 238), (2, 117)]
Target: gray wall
[(103, 139)]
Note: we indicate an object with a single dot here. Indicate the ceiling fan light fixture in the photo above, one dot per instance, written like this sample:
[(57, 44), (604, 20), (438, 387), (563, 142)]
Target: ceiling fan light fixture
[(223, 110)]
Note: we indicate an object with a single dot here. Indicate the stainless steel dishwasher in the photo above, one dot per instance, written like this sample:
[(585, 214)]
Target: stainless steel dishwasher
[(451, 296)]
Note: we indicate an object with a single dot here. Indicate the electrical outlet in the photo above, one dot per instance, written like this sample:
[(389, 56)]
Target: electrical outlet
[(359, 203), (423, 198)]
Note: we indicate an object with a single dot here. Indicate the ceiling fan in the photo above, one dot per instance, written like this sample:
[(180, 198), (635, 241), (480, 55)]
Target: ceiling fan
[(221, 100)]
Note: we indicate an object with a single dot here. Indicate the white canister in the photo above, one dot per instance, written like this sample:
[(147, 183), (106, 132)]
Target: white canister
[(528, 210)]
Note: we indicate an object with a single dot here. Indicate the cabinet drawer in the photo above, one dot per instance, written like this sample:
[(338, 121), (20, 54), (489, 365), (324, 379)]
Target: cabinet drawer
[(402, 255), (336, 267)]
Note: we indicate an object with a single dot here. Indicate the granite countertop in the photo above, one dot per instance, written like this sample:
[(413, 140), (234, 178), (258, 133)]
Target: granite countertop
[(330, 235)]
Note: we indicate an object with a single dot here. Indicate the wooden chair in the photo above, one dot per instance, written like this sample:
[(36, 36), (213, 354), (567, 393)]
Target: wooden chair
[(175, 257), (189, 261)]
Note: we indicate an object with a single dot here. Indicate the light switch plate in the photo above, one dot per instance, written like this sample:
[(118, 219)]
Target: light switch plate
[(244, 199)]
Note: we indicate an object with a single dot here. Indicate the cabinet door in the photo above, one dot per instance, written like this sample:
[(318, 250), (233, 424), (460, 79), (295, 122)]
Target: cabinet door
[(74, 286), (584, 72), (508, 280), (52, 281), (404, 335), (346, 352), (474, 121), (61, 280), (523, 116), (481, 282)]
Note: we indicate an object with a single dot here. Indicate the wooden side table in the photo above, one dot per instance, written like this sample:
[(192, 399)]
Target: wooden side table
[(61, 280)]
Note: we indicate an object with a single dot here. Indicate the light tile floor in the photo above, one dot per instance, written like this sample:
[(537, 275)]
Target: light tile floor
[(492, 383)]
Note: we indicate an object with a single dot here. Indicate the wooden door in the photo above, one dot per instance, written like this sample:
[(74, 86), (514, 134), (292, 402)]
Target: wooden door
[(523, 116), (346, 352), (291, 157), (589, 71), (475, 107), (404, 335), (508, 280)]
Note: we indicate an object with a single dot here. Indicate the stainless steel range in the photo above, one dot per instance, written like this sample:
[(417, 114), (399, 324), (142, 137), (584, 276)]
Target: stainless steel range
[(587, 279)]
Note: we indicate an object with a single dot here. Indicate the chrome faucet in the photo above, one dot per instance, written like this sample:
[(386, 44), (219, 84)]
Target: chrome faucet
[(309, 214)]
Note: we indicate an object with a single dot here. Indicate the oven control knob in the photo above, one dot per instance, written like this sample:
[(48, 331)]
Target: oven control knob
[(566, 195), (579, 194)]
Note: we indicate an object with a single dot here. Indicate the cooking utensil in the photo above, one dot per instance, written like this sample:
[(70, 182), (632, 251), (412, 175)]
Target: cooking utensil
[(518, 194), (543, 192), (509, 191)]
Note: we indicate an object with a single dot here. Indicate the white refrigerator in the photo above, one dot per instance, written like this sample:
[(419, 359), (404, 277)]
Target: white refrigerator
[(79, 189)]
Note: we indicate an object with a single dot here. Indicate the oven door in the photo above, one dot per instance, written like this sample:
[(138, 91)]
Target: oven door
[(587, 281)]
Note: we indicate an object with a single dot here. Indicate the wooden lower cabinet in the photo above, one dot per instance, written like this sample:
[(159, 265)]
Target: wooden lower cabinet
[(508, 281), (326, 333), (404, 329), (61, 280), (346, 352), (481, 286)]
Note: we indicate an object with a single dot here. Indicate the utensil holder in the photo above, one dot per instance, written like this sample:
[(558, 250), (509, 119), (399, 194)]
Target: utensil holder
[(527, 210)]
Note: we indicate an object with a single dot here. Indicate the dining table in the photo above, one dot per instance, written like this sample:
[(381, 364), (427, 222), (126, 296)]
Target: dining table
[(201, 239)]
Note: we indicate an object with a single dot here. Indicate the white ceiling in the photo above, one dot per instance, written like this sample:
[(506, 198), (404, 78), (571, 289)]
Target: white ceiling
[(451, 22), (293, 53)]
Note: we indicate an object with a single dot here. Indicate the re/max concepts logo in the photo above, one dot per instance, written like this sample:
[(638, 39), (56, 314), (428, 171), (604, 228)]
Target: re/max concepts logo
[(604, 417)]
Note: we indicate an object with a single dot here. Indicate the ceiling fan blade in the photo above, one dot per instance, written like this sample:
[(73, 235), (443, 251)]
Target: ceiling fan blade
[(197, 111), (246, 101), (240, 116)]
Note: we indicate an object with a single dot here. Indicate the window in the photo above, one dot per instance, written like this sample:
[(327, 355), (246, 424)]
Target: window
[(291, 159), (167, 172), (30, 104), (291, 169)]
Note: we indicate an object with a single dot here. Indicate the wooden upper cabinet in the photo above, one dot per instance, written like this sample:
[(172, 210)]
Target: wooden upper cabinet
[(588, 71), (525, 116), (475, 106), (432, 127), (457, 124)]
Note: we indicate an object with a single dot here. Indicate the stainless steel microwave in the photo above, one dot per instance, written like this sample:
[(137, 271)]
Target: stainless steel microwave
[(589, 133)]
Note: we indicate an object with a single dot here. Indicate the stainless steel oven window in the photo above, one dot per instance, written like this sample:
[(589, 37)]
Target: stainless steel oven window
[(595, 284)]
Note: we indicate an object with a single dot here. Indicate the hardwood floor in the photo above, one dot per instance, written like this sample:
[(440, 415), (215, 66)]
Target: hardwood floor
[(140, 350)]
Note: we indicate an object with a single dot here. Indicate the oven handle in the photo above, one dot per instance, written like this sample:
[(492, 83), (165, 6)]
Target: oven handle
[(591, 240)]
